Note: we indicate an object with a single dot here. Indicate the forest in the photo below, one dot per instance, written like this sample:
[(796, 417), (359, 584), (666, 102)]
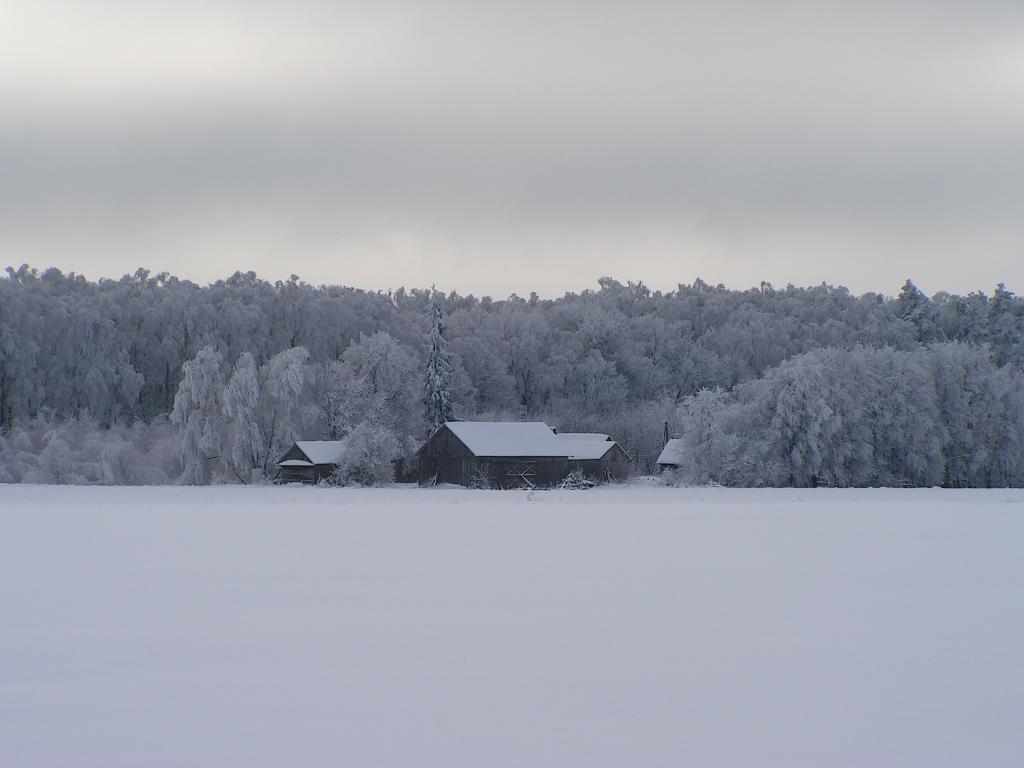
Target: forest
[(152, 379)]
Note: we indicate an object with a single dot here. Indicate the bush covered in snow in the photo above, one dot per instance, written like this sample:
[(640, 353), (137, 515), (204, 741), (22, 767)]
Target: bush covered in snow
[(369, 457), (78, 452)]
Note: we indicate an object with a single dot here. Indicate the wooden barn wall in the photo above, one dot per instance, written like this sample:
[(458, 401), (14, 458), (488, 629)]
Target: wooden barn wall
[(614, 465), (617, 464), (295, 475), (508, 471), (312, 474), (447, 458), (323, 471)]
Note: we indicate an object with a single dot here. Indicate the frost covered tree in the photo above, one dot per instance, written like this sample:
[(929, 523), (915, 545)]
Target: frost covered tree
[(369, 456), (801, 424), (914, 307), (198, 416), (376, 381), (710, 450), (614, 359), (863, 417), (242, 408), (1006, 328), (439, 375), (285, 405)]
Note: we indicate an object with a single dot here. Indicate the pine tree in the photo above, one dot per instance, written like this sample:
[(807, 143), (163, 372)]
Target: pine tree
[(1006, 329), (439, 376), (914, 307)]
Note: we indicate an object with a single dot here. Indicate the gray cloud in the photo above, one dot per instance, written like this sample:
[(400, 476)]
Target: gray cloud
[(493, 147)]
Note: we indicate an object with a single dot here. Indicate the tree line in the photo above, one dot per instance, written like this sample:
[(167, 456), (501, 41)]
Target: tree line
[(151, 378)]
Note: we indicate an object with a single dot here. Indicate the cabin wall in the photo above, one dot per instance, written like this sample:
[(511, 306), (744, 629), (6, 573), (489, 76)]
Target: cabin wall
[(323, 471), (295, 475), (310, 475), (617, 465), (507, 472), (440, 470), (445, 459), (613, 466)]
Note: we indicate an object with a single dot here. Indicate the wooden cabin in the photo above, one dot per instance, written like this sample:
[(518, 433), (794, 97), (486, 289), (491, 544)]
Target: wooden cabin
[(497, 454), (597, 456), (310, 461)]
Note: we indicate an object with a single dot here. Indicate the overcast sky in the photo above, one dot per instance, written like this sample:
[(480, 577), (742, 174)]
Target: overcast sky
[(498, 147)]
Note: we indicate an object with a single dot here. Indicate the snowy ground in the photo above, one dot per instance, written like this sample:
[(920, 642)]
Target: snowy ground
[(621, 627)]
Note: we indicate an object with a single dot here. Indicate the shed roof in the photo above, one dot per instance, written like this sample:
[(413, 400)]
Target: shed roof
[(323, 451), (508, 438), (584, 449), (672, 453)]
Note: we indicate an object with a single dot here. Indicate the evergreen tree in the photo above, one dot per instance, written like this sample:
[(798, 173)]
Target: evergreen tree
[(1006, 328), (439, 376), (914, 307)]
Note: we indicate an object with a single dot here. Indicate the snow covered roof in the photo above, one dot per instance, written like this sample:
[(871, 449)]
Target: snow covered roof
[(672, 453), (586, 436), (294, 463), (323, 451), (583, 448), (508, 438)]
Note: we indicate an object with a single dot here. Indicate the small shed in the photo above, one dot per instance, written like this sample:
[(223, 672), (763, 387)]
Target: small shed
[(596, 455), (671, 455), (310, 461), (493, 454)]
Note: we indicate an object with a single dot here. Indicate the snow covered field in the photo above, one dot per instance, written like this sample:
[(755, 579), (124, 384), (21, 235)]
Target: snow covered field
[(234, 626)]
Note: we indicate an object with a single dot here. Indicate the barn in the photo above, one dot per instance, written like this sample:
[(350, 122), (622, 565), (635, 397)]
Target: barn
[(310, 461), (500, 454), (596, 455)]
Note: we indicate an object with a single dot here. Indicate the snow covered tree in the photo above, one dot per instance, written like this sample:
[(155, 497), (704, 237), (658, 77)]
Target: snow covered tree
[(709, 450), (439, 375), (285, 408), (914, 307), (801, 424), (1006, 328), (615, 359), (369, 456), (198, 415), (241, 407), (375, 381)]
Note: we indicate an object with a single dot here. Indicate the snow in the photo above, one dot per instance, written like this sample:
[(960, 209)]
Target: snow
[(323, 451), (672, 453), (641, 626), (294, 463), (584, 436), (583, 449), (507, 438)]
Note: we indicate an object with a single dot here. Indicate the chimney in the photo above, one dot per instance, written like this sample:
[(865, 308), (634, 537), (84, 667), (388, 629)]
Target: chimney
[(666, 431)]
